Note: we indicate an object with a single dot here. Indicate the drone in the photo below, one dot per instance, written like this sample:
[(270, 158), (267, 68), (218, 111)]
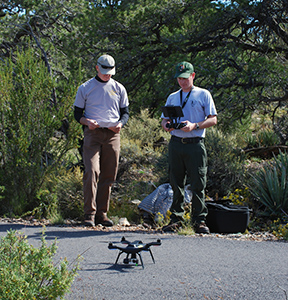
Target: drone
[(132, 249)]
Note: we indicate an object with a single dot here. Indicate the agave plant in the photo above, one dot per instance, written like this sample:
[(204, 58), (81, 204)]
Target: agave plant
[(270, 185)]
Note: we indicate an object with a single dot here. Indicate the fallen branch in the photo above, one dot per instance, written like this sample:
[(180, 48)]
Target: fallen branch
[(265, 152)]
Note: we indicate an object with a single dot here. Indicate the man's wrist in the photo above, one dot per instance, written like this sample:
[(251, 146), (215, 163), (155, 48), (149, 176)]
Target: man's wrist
[(197, 126), (83, 121)]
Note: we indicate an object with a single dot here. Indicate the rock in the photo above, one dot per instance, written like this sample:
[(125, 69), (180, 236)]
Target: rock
[(124, 222)]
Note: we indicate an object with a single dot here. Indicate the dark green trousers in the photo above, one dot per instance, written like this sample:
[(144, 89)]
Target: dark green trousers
[(188, 160)]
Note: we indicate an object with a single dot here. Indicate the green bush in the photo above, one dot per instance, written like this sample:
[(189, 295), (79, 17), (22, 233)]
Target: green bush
[(281, 127), (263, 138), (225, 163), (270, 185), (31, 115), (61, 196), (27, 272), (239, 197), (144, 129), (267, 137), (70, 194), (281, 231)]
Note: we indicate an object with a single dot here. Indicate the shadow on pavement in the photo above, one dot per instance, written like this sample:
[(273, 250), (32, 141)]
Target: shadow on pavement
[(53, 231), (61, 232)]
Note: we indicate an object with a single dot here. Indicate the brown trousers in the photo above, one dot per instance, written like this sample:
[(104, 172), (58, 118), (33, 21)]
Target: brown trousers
[(101, 152)]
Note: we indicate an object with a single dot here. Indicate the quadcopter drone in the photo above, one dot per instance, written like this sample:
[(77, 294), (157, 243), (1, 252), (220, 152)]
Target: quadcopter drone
[(132, 249)]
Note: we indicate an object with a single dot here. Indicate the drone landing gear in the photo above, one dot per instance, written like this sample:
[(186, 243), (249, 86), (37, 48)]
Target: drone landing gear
[(132, 258)]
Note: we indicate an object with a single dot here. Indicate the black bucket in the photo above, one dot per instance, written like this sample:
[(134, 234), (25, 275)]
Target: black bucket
[(224, 217)]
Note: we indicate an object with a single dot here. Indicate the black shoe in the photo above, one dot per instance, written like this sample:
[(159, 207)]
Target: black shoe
[(104, 221), (89, 220), (201, 228), (172, 227)]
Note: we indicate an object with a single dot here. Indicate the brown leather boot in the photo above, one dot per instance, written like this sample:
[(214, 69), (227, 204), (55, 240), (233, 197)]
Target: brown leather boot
[(89, 220), (104, 221)]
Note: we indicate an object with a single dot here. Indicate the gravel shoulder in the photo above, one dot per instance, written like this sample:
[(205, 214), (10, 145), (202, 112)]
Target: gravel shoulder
[(252, 236)]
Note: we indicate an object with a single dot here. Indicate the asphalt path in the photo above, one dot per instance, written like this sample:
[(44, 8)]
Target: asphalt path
[(186, 267)]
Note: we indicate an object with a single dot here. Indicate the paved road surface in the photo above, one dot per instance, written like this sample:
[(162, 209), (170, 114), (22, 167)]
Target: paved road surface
[(186, 267)]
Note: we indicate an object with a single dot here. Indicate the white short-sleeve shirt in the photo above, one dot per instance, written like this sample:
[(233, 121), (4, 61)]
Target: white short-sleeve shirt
[(199, 106), (102, 101)]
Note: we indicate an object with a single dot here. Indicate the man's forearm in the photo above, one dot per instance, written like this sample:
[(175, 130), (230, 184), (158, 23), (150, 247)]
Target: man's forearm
[(209, 122)]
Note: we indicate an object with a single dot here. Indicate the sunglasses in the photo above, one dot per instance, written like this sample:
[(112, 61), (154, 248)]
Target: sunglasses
[(106, 67)]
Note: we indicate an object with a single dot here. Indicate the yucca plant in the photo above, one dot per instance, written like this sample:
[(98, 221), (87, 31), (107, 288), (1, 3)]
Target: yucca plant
[(270, 186)]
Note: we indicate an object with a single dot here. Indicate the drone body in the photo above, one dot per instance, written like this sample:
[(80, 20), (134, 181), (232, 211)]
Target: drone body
[(132, 249)]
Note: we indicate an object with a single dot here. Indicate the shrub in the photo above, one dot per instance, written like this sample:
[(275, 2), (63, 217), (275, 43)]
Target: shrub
[(281, 127), (69, 192), (281, 231), (144, 129), (30, 116), (270, 185), (225, 163), (267, 137), (27, 272), (239, 197), (263, 138), (61, 196)]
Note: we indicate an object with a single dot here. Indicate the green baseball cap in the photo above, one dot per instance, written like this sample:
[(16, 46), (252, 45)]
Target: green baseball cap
[(184, 69)]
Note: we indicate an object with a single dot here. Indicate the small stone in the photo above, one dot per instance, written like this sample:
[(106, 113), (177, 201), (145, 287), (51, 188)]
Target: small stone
[(124, 222)]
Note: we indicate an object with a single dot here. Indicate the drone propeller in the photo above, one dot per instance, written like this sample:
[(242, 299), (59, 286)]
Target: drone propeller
[(122, 240), (113, 242), (126, 242)]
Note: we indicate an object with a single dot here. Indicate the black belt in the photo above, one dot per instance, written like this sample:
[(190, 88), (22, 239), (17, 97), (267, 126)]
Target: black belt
[(194, 140), (84, 126)]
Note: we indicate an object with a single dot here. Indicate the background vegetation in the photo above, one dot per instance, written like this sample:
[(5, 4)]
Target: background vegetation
[(239, 51)]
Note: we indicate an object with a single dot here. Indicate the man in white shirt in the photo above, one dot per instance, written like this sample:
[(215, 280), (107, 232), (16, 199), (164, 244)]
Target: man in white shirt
[(101, 106), (187, 152)]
